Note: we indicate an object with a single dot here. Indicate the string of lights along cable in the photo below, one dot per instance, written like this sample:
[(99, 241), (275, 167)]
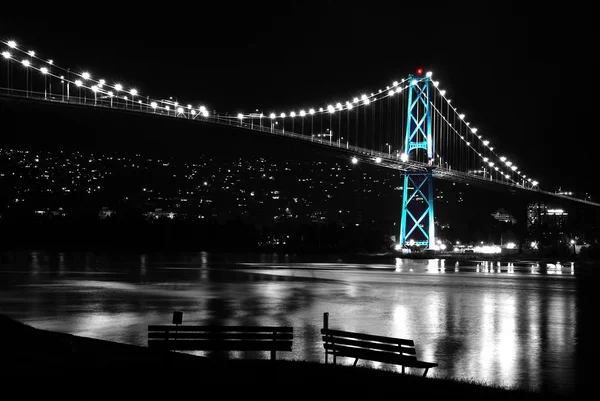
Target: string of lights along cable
[(369, 127)]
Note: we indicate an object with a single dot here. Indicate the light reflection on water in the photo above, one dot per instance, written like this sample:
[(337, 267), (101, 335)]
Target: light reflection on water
[(510, 324)]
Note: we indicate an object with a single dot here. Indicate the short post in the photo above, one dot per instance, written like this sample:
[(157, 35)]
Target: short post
[(177, 319), (326, 327), (273, 350)]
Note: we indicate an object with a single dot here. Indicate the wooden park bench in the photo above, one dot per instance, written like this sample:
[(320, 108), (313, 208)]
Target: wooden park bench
[(390, 350), (221, 338)]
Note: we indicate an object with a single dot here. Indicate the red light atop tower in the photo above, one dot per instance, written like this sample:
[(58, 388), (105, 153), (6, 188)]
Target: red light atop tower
[(419, 71)]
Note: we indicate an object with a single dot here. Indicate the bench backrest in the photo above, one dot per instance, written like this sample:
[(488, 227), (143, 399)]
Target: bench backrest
[(334, 338), (220, 338)]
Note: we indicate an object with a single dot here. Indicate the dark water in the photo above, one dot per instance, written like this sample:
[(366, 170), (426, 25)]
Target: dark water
[(519, 324)]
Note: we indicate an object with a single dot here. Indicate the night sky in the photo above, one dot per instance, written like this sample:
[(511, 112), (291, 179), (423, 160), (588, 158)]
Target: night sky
[(522, 74)]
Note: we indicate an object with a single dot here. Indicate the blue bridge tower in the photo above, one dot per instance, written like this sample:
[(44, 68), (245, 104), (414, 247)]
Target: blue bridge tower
[(417, 224)]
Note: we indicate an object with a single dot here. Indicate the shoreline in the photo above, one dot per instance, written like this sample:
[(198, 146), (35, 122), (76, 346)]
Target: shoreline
[(33, 352)]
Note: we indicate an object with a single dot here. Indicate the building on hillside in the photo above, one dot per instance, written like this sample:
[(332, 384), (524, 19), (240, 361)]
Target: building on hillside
[(546, 222), (503, 216)]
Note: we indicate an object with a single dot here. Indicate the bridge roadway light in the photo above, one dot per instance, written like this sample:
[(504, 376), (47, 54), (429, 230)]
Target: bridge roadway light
[(95, 90), (31, 53), (378, 160), (6, 55), (391, 93), (486, 143), (44, 71), (461, 116), (12, 44), (86, 75), (404, 157), (429, 74), (354, 160)]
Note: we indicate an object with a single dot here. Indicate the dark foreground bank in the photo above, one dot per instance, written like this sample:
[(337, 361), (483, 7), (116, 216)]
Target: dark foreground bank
[(79, 362)]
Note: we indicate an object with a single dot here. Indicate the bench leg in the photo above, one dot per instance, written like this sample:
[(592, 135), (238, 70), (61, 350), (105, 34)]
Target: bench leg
[(356, 360), (425, 373)]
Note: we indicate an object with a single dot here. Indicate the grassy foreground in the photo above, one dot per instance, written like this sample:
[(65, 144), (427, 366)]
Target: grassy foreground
[(79, 362)]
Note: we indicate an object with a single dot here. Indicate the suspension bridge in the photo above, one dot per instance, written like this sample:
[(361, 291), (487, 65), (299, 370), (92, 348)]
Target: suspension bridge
[(410, 125)]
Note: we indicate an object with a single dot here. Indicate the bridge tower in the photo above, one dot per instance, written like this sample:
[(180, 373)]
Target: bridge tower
[(417, 224)]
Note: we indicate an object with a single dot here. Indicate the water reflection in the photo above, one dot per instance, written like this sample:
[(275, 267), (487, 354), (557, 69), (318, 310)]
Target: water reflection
[(511, 324)]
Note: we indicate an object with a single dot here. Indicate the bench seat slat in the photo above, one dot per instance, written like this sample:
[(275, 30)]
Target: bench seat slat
[(368, 337), (251, 329), (227, 345), (370, 345), (172, 335), (384, 357)]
